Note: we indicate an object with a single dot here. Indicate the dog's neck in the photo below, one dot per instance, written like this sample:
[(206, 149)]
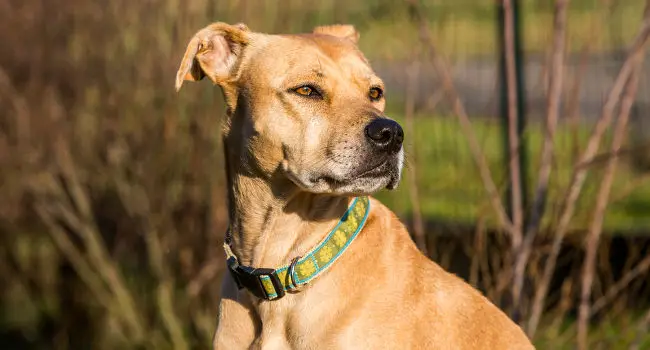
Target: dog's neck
[(271, 220)]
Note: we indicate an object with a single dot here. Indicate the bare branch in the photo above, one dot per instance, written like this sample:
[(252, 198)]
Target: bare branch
[(466, 125), (20, 106), (83, 268), (477, 250), (208, 272), (165, 287), (579, 174), (623, 152), (602, 199), (612, 291), (165, 292), (409, 110), (76, 257), (86, 230), (553, 107)]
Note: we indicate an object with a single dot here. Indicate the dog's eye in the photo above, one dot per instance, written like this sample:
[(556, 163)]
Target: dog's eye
[(375, 93), (307, 91)]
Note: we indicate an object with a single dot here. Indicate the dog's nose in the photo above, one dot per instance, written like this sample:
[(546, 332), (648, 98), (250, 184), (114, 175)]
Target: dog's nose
[(385, 134)]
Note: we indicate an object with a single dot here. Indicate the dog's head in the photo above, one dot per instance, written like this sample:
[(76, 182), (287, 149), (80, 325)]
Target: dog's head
[(306, 107)]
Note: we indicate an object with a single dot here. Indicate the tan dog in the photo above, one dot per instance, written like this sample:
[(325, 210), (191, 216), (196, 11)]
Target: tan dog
[(305, 135)]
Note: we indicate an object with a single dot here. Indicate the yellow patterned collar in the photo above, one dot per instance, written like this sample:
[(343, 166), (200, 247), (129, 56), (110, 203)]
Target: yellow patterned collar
[(271, 284)]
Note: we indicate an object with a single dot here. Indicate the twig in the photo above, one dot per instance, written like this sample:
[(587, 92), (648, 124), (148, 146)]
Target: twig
[(165, 292), (593, 237), (76, 258), (466, 125), (409, 110), (21, 108), (630, 187), (97, 254), (165, 287), (477, 250), (546, 162), (612, 291), (206, 274), (573, 103), (82, 267), (579, 174), (606, 156)]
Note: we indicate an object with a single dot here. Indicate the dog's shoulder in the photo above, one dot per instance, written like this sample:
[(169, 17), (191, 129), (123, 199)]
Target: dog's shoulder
[(441, 295)]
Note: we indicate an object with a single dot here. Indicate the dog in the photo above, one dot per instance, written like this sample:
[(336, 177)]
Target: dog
[(315, 262)]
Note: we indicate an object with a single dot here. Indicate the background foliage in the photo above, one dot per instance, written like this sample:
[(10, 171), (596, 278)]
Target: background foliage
[(112, 185)]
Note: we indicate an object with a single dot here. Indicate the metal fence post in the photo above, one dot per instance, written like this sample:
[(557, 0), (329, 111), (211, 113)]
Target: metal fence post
[(521, 98)]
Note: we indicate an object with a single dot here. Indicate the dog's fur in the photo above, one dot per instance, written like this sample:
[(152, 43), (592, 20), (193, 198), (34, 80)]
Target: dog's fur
[(293, 164)]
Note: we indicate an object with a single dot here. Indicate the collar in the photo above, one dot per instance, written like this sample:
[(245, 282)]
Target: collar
[(271, 284)]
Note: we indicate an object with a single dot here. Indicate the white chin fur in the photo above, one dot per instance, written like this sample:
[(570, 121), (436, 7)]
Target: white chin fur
[(400, 160), (358, 186)]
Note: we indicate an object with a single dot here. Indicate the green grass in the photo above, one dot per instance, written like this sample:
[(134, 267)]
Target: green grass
[(460, 29), (611, 333), (463, 29), (450, 188)]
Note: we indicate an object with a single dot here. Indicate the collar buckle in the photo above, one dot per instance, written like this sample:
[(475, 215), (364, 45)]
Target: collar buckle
[(254, 280)]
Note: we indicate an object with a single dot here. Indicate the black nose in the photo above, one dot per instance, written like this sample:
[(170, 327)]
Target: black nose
[(385, 135)]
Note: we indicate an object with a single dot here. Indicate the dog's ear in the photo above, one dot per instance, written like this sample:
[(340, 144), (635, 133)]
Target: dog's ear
[(212, 52), (346, 31)]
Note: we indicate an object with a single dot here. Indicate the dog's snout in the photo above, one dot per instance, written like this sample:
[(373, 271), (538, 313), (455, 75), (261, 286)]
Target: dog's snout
[(386, 135)]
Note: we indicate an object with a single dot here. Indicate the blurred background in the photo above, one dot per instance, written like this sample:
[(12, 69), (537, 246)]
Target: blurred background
[(113, 205)]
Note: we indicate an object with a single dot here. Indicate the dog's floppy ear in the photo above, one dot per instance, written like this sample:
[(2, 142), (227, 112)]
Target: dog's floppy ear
[(212, 52), (346, 31)]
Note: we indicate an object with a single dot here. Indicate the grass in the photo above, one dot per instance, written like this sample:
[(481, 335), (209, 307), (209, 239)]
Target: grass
[(610, 333), (450, 187), (462, 29)]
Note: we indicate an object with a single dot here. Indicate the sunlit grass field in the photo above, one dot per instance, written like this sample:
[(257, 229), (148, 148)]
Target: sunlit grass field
[(464, 29), (450, 188), (460, 29)]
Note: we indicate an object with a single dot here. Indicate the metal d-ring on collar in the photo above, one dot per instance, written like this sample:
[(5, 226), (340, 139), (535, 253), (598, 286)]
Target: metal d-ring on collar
[(290, 272)]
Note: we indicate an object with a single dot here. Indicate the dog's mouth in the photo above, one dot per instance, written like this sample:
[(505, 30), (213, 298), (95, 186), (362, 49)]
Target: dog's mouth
[(372, 171), (385, 173)]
